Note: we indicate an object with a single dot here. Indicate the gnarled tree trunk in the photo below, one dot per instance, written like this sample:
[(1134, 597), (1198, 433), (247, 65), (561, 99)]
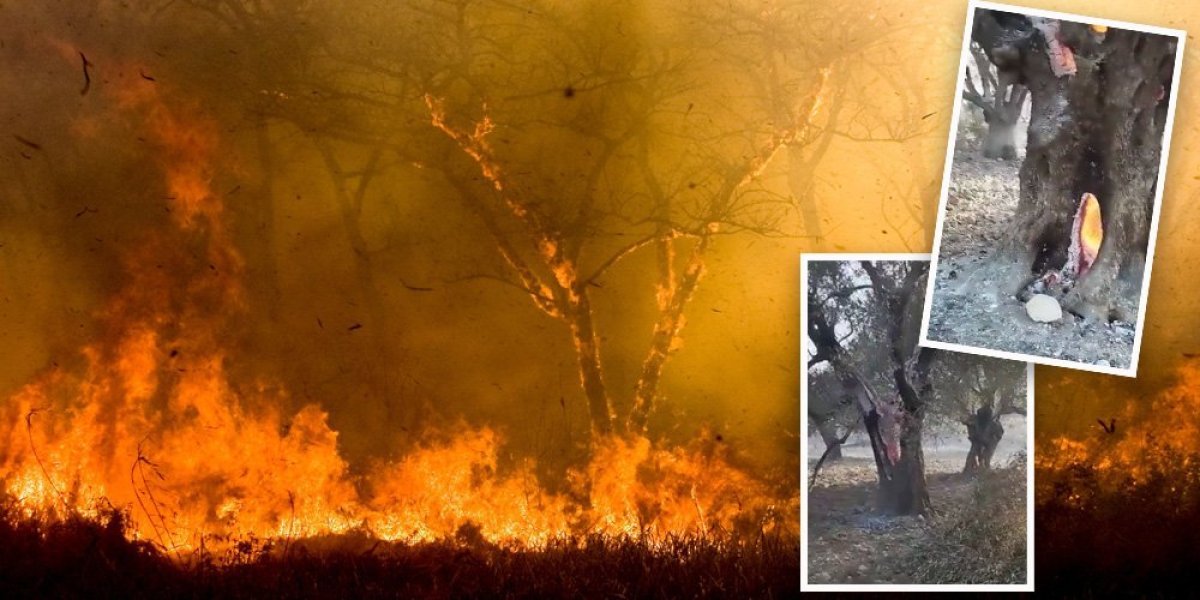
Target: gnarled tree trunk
[(1098, 112), (984, 431), (909, 493)]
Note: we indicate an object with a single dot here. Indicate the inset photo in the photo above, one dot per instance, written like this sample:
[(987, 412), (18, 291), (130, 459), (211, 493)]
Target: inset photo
[(916, 460), (1052, 188)]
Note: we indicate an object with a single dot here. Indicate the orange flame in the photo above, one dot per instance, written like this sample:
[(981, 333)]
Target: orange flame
[(1091, 231), (152, 421)]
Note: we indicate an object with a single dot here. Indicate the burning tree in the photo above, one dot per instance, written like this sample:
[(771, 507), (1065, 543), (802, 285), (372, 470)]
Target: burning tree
[(580, 160), (594, 144), (1099, 106), (879, 306)]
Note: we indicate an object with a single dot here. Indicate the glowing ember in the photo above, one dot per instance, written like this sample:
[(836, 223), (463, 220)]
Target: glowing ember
[(1091, 231), (1087, 234)]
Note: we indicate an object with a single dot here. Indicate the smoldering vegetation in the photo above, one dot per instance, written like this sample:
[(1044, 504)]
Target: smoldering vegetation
[(94, 558), (1124, 480), (955, 439), (278, 273), (438, 274)]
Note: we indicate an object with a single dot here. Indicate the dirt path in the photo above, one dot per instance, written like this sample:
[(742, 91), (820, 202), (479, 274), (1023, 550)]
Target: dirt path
[(967, 309), (853, 543)]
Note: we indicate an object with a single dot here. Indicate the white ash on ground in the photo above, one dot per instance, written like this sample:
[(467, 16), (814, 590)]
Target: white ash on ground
[(967, 308)]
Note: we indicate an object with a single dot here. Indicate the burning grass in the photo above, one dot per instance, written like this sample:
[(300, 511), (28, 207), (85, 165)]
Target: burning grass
[(1143, 523), (78, 557), (148, 465), (1117, 509), (150, 417)]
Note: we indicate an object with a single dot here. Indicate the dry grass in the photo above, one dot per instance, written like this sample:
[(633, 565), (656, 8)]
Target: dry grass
[(77, 557), (981, 541), (1100, 537)]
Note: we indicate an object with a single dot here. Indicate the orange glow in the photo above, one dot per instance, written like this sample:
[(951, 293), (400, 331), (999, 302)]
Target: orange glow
[(151, 420), (1151, 440), (1091, 231)]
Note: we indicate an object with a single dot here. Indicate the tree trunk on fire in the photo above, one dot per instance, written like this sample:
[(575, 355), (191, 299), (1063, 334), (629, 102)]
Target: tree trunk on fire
[(591, 373), (674, 294), (1097, 130), (908, 493)]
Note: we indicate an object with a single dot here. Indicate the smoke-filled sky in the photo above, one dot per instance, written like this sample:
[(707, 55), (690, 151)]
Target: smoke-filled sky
[(391, 306)]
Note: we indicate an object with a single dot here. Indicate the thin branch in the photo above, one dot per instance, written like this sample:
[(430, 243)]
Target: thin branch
[(618, 255), (812, 480)]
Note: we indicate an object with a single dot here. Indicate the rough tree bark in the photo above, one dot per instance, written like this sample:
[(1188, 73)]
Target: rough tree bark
[(1098, 129), (984, 431), (908, 494), (852, 386)]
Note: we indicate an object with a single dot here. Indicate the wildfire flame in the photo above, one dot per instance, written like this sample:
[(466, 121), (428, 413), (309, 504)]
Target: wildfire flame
[(1157, 437), (150, 419)]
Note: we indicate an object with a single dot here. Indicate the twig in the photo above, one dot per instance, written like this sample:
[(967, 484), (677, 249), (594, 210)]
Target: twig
[(42, 466), (812, 480), (137, 466), (87, 78)]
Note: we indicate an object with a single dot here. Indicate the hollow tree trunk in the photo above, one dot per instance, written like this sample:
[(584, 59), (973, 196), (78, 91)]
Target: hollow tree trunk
[(1098, 130), (909, 493)]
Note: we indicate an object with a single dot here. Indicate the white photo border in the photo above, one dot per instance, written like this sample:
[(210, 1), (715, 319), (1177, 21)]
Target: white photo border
[(1028, 586), (1181, 36)]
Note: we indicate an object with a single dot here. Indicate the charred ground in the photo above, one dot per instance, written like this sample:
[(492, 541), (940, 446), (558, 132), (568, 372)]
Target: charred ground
[(975, 533), (967, 309)]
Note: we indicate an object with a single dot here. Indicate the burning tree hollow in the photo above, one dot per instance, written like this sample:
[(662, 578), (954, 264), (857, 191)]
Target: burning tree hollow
[(1100, 103), (1043, 248)]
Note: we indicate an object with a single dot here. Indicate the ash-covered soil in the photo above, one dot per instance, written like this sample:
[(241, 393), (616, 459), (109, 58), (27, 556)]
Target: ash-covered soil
[(850, 541), (967, 308)]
